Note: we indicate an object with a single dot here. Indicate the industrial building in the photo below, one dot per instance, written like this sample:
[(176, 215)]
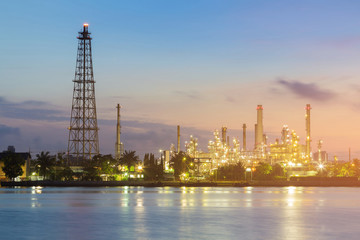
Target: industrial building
[(287, 150)]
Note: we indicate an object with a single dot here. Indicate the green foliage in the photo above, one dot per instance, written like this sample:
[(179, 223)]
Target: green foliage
[(153, 170), (115, 177), (60, 160), (98, 165), (181, 163), (345, 169), (278, 171), (263, 171), (91, 170), (66, 174), (106, 164), (12, 165), (231, 172), (44, 164), (129, 158)]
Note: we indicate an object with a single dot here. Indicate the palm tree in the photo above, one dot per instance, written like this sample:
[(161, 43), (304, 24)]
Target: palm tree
[(44, 163), (129, 159)]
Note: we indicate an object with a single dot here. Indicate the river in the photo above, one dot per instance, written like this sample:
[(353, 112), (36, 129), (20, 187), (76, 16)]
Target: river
[(180, 213)]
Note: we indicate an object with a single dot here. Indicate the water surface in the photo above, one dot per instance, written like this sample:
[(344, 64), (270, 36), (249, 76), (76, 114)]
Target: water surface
[(180, 213)]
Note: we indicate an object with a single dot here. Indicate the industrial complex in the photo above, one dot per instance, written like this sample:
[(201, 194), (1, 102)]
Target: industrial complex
[(288, 150)]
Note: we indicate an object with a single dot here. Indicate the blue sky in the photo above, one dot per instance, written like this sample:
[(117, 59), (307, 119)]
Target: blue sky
[(200, 64)]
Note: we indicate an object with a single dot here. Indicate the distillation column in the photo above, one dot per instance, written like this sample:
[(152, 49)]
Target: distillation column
[(259, 131), (223, 132)]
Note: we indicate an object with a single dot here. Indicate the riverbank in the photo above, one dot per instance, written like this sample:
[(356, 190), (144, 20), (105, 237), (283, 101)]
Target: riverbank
[(121, 183), (321, 182)]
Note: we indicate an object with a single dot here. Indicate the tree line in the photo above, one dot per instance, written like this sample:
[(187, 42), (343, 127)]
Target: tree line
[(182, 166)]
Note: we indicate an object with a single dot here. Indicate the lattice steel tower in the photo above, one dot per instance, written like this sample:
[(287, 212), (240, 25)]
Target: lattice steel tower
[(83, 131)]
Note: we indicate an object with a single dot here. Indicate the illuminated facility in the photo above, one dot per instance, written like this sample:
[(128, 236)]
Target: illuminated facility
[(287, 150)]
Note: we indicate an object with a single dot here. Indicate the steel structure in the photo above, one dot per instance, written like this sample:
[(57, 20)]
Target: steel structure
[(83, 131)]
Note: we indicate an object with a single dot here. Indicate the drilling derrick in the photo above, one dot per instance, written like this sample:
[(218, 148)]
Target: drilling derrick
[(83, 131)]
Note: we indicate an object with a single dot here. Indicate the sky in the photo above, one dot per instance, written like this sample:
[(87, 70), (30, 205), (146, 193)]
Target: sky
[(200, 64)]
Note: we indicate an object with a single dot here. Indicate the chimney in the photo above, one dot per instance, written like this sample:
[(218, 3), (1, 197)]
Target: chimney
[(118, 132), (244, 137), (178, 138), (259, 131)]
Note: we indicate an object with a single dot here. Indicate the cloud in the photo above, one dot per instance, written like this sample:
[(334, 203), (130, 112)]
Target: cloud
[(190, 94), (31, 110), (6, 130), (307, 90), (347, 42), (230, 99), (121, 97)]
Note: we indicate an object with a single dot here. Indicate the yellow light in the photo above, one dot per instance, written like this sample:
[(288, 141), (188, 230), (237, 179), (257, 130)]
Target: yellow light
[(86, 24)]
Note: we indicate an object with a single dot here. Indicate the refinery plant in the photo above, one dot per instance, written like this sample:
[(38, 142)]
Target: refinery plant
[(288, 150)]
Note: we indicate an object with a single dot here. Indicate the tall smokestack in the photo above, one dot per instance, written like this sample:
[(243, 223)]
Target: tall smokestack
[(244, 137), (118, 132), (256, 129), (223, 132), (178, 138), (259, 137), (307, 126)]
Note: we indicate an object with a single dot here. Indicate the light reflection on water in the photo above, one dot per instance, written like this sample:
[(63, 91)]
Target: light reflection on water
[(180, 213)]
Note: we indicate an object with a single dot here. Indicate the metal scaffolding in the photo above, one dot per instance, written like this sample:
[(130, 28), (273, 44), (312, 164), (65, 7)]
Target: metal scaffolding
[(83, 131)]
